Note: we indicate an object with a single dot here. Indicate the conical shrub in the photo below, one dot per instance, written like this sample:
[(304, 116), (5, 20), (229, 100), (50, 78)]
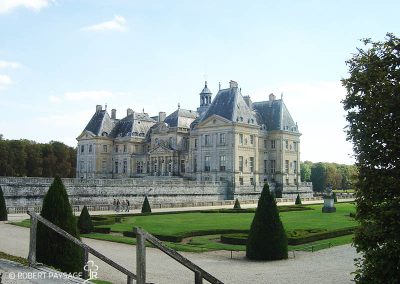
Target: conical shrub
[(3, 208), (146, 206), (298, 200), (237, 204), (51, 248), (267, 238), (85, 224)]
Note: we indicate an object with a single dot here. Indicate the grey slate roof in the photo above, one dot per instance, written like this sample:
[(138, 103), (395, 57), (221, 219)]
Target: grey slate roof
[(205, 90), (274, 115), (230, 104), (136, 124), (99, 123), (181, 118)]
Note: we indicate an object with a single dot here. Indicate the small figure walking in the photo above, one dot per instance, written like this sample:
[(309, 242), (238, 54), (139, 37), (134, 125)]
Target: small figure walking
[(127, 205), (115, 204), (123, 205), (117, 209)]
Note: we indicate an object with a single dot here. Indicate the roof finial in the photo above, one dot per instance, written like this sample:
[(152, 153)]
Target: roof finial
[(205, 84), (143, 110), (219, 83), (106, 106), (282, 96), (179, 106)]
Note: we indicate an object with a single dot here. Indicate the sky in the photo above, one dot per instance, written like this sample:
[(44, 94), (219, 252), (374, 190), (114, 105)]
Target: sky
[(59, 59)]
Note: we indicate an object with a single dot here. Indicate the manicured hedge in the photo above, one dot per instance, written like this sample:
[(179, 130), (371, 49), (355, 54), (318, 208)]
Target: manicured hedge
[(100, 221), (320, 236), (102, 230), (234, 239)]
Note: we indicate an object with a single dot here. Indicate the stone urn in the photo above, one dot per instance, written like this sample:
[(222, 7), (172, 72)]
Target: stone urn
[(329, 203)]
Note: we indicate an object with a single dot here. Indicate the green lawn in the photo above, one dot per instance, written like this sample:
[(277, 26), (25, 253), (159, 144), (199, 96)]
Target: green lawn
[(181, 224)]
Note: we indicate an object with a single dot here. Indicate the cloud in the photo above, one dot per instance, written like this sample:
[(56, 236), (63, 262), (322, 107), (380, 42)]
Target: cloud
[(83, 95), (35, 5), (117, 24), (9, 64), (5, 81)]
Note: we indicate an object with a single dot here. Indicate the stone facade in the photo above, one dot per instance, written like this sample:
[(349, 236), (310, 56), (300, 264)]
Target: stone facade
[(230, 140)]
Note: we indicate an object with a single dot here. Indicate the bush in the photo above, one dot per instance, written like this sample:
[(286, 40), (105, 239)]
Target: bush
[(3, 208), (102, 230), (267, 239), (85, 224), (146, 206), (51, 248), (234, 239), (237, 204), (309, 237), (298, 200)]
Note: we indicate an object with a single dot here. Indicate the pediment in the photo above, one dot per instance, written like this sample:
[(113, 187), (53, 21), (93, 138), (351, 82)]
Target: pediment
[(215, 120), (86, 134)]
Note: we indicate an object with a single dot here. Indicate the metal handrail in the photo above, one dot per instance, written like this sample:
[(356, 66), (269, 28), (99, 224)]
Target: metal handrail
[(87, 249)]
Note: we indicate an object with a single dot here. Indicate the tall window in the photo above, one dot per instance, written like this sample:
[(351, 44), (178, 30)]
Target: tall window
[(125, 167), (194, 164), (116, 167), (241, 181), (207, 140), (241, 139), (90, 148), (170, 166), (251, 164), (116, 148), (286, 144), (240, 164), (222, 139), (82, 148), (170, 142), (252, 181), (272, 164), (251, 139), (222, 163), (195, 143), (265, 166), (273, 144), (139, 167), (183, 169), (125, 148), (207, 160), (287, 166), (265, 144), (104, 166), (295, 167), (105, 148), (295, 146)]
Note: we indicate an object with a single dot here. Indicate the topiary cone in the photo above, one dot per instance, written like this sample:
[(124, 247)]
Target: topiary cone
[(146, 206), (298, 200), (3, 208), (51, 248), (85, 223), (267, 238), (237, 204)]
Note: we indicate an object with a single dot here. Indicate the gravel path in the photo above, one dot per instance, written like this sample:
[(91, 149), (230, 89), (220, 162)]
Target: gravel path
[(326, 266)]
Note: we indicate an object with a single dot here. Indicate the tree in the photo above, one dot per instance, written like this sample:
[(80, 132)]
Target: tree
[(146, 206), (85, 223), (237, 204), (305, 171), (373, 116), (3, 208), (267, 238), (318, 172), (298, 200), (51, 248)]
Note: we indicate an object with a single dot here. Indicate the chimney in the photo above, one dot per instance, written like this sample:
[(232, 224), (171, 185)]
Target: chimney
[(129, 111), (233, 84), (98, 108), (113, 113), (161, 116), (248, 101), (271, 98)]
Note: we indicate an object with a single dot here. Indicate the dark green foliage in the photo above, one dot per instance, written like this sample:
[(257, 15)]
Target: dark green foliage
[(267, 238), (85, 224), (305, 171), (372, 103), (237, 204), (52, 248), (298, 200), (28, 158), (146, 206), (3, 208)]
